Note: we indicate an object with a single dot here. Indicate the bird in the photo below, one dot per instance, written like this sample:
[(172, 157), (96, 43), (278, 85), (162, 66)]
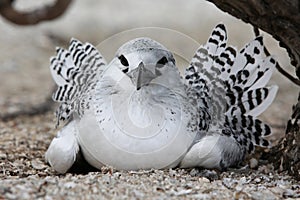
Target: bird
[(139, 112)]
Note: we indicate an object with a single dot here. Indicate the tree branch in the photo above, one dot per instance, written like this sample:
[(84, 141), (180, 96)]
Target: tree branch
[(278, 67), (279, 18), (48, 12)]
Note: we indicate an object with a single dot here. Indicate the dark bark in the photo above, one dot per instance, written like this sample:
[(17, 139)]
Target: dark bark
[(49, 12), (281, 19)]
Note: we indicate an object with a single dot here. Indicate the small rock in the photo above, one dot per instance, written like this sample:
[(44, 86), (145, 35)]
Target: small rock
[(257, 180), (253, 163), (36, 164), (201, 196), (3, 156), (229, 183), (183, 192), (10, 196), (70, 185), (243, 180), (265, 194), (173, 172), (212, 175), (204, 180), (194, 172), (288, 193), (138, 194), (106, 179), (277, 190), (295, 187)]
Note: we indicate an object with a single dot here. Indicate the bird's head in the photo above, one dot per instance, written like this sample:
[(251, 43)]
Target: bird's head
[(143, 60)]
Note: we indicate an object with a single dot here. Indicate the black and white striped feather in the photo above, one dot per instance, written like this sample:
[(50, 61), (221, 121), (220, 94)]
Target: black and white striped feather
[(75, 72), (230, 89)]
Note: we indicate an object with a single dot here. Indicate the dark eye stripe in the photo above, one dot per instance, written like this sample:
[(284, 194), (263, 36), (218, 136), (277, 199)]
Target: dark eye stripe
[(123, 60), (125, 70), (162, 62)]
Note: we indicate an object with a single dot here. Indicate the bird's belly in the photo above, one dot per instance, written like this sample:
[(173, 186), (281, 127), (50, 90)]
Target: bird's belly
[(109, 136)]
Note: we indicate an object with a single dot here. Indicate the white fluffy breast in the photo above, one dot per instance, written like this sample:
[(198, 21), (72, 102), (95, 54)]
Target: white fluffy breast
[(130, 129)]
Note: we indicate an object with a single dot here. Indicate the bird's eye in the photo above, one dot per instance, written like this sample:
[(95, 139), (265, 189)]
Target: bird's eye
[(123, 60), (162, 62)]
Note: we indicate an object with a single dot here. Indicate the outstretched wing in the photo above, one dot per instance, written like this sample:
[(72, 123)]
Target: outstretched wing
[(205, 85), (247, 95), (75, 71), (229, 88)]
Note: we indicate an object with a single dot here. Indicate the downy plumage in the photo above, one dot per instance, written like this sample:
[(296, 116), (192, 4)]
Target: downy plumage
[(138, 113)]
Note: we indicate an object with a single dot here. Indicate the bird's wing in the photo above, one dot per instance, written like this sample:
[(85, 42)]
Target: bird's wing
[(75, 71), (203, 80), (230, 88)]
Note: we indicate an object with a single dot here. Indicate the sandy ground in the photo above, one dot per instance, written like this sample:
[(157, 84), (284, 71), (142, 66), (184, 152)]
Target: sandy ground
[(25, 80)]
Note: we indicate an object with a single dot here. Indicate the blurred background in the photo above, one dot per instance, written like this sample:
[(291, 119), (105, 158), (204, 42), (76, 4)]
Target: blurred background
[(25, 78)]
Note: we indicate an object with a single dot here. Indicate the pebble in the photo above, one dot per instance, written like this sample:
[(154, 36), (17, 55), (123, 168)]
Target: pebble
[(69, 185), (288, 193), (36, 164), (3, 156), (183, 192), (229, 183), (204, 180), (257, 180), (265, 194), (253, 163)]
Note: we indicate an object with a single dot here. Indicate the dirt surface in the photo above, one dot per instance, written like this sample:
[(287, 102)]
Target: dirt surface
[(25, 81), (25, 175)]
